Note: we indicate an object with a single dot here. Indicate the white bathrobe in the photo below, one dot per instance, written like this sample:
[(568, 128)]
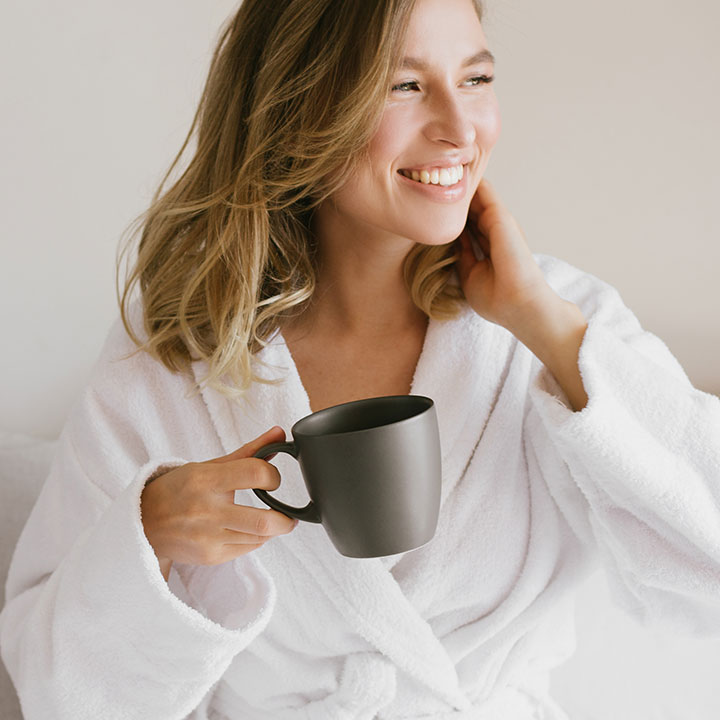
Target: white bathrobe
[(534, 498)]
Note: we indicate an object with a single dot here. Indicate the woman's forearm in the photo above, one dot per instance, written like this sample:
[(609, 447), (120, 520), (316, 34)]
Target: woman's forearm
[(554, 332)]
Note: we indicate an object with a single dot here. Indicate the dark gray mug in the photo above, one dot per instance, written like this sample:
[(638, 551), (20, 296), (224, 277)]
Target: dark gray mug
[(372, 470)]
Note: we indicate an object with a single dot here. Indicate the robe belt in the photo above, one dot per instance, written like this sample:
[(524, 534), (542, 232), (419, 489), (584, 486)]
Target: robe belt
[(366, 691)]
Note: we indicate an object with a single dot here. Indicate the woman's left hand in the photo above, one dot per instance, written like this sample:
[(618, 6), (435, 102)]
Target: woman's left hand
[(507, 287)]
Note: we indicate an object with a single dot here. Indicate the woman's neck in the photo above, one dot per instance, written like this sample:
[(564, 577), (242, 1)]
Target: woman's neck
[(360, 287)]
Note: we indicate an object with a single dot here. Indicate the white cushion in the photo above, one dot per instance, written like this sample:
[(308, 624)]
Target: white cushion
[(24, 463)]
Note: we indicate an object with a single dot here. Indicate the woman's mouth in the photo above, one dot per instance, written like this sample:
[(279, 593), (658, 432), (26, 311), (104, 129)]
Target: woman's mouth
[(435, 176)]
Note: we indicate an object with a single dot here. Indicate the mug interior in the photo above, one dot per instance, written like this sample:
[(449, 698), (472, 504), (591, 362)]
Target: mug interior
[(362, 415)]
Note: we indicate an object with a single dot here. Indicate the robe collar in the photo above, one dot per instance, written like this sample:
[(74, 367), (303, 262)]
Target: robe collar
[(459, 367)]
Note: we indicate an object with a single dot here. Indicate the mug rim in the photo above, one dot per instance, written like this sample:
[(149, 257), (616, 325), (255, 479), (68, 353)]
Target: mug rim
[(421, 399)]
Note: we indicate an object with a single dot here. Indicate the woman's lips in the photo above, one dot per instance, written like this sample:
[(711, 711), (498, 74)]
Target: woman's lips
[(446, 175), (438, 193)]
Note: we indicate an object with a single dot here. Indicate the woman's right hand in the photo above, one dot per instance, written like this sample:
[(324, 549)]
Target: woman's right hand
[(189, 514)]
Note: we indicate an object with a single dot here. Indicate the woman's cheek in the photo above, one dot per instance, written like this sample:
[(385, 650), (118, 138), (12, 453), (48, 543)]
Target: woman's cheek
[(391, 135), (489, 122)]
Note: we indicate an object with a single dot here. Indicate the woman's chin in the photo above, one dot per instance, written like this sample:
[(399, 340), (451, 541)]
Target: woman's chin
[(439, 235)]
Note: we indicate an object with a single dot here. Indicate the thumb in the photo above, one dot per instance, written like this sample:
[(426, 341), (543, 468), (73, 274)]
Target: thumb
[(273, 435), (468, 260)]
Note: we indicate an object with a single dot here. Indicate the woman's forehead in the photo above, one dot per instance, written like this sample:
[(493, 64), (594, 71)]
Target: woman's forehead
[(441, 26)]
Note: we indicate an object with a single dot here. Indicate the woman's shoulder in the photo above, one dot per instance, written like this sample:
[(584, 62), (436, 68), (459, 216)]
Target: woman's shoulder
[(133, 408), (127, 381), (122, 359)]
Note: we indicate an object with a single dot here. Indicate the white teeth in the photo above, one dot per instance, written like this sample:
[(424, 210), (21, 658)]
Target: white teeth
[(436, 176)]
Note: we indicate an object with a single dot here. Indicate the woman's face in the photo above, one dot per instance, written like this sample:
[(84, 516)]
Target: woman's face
[(441, 114)]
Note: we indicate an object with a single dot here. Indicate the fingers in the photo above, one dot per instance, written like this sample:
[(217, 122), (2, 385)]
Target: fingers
[(479, 244), (189, 515), (273, 435), (485, 195), (486, 208), (243, 524), (239, 470), (242, 474), (467, 259), (474, 247)]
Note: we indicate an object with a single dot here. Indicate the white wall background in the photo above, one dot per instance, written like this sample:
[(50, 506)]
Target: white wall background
[(97, 98), (609, 158), (610, 153)]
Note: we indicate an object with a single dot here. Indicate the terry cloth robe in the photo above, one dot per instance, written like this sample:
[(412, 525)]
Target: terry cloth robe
[(534, 498)]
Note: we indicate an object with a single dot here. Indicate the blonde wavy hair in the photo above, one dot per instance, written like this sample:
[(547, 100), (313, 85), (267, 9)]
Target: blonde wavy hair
[(295, 91)]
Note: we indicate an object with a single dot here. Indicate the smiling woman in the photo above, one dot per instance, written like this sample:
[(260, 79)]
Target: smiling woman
[(334, 238), (321, 121), (441, 121)]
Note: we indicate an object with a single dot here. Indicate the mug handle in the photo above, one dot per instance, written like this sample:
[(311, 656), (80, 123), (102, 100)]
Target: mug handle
[(309, 513)]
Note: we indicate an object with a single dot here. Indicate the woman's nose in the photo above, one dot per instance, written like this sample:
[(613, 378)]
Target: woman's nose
[(450, 121)]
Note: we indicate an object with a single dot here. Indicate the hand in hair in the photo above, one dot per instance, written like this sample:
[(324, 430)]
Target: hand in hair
[(507, 287), (189, 515), (507, 282)]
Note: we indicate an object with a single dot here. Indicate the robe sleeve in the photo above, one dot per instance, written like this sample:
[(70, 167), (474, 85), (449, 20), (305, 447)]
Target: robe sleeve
[(637, 471), (90, 628)]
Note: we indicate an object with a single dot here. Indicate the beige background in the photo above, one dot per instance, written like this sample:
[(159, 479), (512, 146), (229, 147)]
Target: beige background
[(609, 155), (608, 159)]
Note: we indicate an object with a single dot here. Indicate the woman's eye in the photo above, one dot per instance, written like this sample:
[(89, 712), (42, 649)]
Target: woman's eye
[(481, 80), (405, 86), (412, 85)]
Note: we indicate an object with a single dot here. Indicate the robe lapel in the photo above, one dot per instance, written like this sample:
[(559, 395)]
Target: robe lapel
[(365, 591), (462, 368)]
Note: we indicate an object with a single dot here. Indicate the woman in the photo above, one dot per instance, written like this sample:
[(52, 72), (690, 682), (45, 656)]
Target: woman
[(333, 238)]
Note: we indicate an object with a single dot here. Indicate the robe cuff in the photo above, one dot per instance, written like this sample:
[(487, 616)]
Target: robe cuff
[(644, 454), (251, 589), (636, 375), (112, 587), (237, 588)]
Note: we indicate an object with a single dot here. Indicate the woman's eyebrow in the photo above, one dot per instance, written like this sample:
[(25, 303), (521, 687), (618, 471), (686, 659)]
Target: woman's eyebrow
[(411, 63)]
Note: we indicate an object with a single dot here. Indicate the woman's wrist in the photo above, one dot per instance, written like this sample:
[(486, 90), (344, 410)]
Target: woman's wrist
[(553, 330)]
